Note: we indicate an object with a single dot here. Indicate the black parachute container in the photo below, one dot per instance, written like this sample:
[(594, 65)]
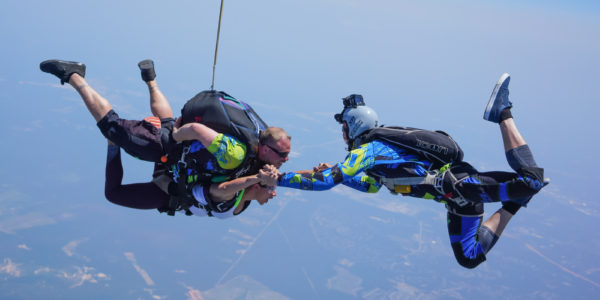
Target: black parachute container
[(224, 114), (436, 146)]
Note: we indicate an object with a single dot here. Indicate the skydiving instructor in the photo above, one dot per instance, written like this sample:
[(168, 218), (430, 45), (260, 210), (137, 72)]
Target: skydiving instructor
[(428, 164)]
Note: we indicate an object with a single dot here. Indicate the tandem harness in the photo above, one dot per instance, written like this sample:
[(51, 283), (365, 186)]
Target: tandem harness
[(224, 114), (180, 198), (184, 201)]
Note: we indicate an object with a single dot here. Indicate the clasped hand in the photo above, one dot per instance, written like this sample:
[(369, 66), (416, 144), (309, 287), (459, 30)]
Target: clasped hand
[(268, 175)]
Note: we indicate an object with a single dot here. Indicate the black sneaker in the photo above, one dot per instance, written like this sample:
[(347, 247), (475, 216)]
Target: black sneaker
[(147, 68), (62, 69)]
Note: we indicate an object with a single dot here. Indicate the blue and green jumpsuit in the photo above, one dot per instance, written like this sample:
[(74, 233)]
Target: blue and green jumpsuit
[(381, 160)]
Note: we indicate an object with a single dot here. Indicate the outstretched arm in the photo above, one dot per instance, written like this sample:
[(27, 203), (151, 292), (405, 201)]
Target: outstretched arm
[(226, 190), (363, 183), (357, 161)]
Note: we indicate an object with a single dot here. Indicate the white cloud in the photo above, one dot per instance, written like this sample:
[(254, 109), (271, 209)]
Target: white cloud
[(69, 249), (240, 234), (157, 297), (292, 193), (346, 263), (295, 154), (378, 219), (345, 282), (81, 276), (239, 287), (193, 294), (407, 290), (42, 270), (130, 257), (12, 224), (10, 268), (24, 247)]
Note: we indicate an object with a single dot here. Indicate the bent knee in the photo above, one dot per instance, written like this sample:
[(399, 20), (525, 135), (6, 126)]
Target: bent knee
[(112, 195), (469, 261)]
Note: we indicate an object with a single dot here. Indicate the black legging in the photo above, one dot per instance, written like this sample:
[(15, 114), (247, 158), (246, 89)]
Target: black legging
[(136, 195)]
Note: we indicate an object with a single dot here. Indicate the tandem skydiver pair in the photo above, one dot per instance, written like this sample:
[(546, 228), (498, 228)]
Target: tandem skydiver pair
[(198, 170)]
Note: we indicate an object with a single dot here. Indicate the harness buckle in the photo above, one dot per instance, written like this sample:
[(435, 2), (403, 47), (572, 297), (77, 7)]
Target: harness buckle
[(181, 163), (438, 185)]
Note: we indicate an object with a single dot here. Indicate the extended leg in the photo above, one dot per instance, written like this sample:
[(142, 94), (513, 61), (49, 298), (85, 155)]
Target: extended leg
[(158, 102), (498, 111), (96, 104), (511, 136), (138, 195), (73, 73), (518, 154)]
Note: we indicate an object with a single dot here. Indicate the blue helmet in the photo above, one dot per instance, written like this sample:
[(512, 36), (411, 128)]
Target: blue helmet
[(357, 116)]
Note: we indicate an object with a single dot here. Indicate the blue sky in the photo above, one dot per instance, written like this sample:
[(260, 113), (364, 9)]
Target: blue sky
[(428, 64)]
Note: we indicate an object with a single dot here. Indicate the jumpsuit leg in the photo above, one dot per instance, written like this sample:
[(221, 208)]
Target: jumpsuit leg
[(138, 195)]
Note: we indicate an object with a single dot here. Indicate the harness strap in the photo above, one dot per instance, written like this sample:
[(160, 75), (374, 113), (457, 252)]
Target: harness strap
[(180, 199), (239, 198), (435, 178), (395, 183)]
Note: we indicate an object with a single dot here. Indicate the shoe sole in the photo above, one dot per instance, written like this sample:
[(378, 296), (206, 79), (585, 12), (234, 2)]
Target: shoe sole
[(146, 64), (491, 102), (45, 67), (44, 64)]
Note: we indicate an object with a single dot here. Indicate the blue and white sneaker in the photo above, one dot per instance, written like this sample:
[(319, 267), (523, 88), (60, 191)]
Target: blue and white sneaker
[(498, 100)]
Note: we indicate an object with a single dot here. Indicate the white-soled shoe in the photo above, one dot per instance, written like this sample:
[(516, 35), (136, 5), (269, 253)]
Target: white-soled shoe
[(498, 100)]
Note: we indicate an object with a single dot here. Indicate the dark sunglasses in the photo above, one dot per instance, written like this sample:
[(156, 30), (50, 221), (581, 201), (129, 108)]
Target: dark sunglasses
[(264, 186), (281, 154)]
